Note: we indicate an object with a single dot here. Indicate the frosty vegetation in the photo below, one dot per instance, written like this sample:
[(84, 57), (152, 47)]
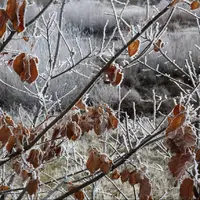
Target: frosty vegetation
[(100, 99)]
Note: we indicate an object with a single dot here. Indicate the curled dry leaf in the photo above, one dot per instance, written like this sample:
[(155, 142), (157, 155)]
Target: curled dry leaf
[(115, 174), (145, 189), (81, 104), (113, 75), (4, 187), (175, 122), (79, 195), (105, 164), (178, 109), (17, 166), (174, 2), (73, 131), (112, 121), (15, 10), (179, 163), (197, 157), (125, 174), (35, 157), (5, 134), (94, 161), (133, 48), (26, 67), (32, 186), (9, 121), (134, 178), (195, 5), (183, 139), (3, 21), (158, 45), (25, 175), (11, 143), (186, 189)]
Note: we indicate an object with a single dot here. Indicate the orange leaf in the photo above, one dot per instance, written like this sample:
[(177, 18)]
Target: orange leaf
[(5, 133), (174, 2), (118, 79), (112, 121), (25, 66), (11, 143), (177, 109), (4, 187), (26, 39), (158, 45), (21, 12), (94, 161), (176, 122), (133, 47), (3, 20), (33, 186), (115, 174), (179, 163), (79, 195), (194, 5), (15, 11), (186, 189)]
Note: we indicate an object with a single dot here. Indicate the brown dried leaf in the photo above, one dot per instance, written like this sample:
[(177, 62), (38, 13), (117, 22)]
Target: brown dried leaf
[(183, 139), (11, 143), (197, 158), (112, 122), (145, 189), (81, 104), (195, 5), (79, 195), (94, 161), (118, 78), (25, 174), (135, 177), (17, 166), (9, 120), (5, 133), (178, 164), (3, 20), (106, 164), (33, 186), (73, 131), (35, 157), (186, 189), (15, 11), (125, 174), (178, 109), (133, 47), (25, 66), (175, 122), (174, 2), (158, 45), (115, 174), (4, 187)]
